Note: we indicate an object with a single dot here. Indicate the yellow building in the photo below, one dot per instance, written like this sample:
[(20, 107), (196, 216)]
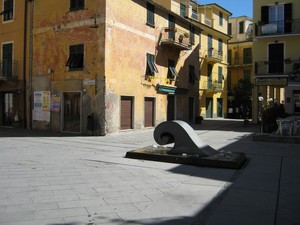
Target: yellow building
[(213, 20), (213, 59), (14, 21), (98, 68), (276, 53), (239, 63)]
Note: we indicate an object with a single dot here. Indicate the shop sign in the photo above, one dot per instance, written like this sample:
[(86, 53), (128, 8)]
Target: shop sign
[(272, 81)]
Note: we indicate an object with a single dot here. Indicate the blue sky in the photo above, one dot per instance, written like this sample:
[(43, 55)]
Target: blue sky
[(236, 7)]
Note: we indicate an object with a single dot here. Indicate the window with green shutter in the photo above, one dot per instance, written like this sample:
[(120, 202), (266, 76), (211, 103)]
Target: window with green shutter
[(151, 68), (150, 14), (76, 57), (182, 9), (172, 73), (220, 74), (247, 55), (220, 19), (7, 58), (192, 34)]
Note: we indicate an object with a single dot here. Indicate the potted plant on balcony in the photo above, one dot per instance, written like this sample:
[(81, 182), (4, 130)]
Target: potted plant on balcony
[(180, 38)]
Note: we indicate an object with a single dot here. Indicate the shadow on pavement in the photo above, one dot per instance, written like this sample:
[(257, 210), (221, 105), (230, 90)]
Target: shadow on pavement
[(207, 124)]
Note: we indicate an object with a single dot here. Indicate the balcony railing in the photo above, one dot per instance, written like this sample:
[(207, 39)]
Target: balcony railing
[(240, 61), (213, 85), (287, 68), (176, 38), (214, 55), (207, 21), (278, 28), (8, 69)]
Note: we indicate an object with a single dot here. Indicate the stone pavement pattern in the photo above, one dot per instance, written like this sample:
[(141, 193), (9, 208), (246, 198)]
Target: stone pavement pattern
[(56, 179)]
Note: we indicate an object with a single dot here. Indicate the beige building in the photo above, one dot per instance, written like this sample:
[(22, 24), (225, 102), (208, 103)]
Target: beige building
[(239, 63), (276, 52)]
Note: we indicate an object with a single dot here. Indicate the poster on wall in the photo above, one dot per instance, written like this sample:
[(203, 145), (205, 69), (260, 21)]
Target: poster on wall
[(55, 103), (41, 104)]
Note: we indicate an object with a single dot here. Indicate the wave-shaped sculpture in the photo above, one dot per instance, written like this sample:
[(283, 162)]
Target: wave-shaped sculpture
[(185, 139)]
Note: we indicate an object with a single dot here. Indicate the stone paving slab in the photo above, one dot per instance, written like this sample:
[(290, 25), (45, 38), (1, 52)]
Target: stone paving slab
[(55, 180)]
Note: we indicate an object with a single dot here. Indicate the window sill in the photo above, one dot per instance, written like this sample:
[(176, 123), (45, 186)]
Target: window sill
[(76, 9), (76, 69), (150, 25)]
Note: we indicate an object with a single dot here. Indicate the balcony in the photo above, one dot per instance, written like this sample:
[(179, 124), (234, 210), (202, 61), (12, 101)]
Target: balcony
[(240, 61), (286, 70), (8, 70), (176, 38), (214, 56), (211, 85), (278, 28)]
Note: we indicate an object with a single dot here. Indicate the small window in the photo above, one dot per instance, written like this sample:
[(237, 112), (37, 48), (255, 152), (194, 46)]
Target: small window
[(220, 19), (76, 5), (150, 14), (75, 60), (172, 73), (151, 67), (229, 28), (241, 27), (8, 10), (192, 76)]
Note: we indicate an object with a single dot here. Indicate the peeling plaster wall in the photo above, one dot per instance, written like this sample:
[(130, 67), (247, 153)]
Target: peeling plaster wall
[(54, 30)]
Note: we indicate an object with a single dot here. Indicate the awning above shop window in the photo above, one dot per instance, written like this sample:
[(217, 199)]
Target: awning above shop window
[(166, 89)]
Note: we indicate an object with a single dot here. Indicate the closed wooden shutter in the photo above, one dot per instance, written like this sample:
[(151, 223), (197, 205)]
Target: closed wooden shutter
[(126, 112), (264, 15), (149, 112), (288, 18)]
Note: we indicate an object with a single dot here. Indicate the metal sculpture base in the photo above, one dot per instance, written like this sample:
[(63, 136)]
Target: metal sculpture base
[(219, 160), (188, 148)]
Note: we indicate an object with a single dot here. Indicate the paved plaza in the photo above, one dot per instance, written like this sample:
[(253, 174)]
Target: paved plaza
[(54, 179)]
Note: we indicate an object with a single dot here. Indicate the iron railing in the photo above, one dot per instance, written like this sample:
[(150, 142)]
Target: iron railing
[(278, 28), (214, 55), (238, 61), (8, 69), (214, 85), (175, 37), (287, 67)]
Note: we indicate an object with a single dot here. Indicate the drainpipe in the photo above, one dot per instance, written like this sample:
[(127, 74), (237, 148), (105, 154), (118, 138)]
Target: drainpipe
[(25, 99), (24, 66), (30, 60)]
